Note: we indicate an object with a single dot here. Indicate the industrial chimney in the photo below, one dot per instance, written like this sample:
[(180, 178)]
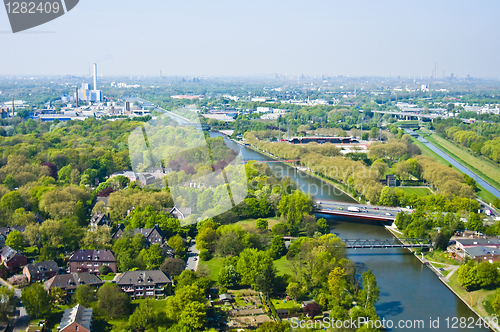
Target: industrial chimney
[(95, 76)]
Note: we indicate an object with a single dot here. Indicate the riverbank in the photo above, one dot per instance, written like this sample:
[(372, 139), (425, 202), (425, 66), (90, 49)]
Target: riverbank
[(339, 186), (446, 281)]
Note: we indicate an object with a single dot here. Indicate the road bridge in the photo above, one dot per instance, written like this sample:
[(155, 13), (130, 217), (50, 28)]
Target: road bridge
[(385, 214)]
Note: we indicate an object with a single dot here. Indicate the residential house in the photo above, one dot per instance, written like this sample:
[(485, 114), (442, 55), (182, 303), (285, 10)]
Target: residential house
[(179, 213), (142, 284), (11, 258), (152, 235), (4, 232), (168, 251), (69, 282), (146, 179), (91, 260), (99, 219), (77, 319), (40, 271)]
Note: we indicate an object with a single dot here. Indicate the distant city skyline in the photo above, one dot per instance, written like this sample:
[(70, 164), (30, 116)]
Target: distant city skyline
[(224, 38)]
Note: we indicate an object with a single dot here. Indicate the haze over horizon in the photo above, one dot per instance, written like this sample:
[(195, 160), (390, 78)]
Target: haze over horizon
[(224, 38)]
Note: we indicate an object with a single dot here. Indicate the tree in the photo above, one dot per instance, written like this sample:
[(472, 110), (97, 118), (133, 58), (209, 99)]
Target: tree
[(104, 270), (36, 300), (312, 309), (388, 197), (274, 327), (278, 248), (250, 264), (228, 277), (187, 306), (294, 291), (467, 275), (261, 223), (178, 245), (173, 266), (153, 257), (495, 303), (323, 226), (370, 292), (147, 317), (112, 301), (7, 302), (475, 223), (12, 201), (266, 280), (85, 295), (15, 240)]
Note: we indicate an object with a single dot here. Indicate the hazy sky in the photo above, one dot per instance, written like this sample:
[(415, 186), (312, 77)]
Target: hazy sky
[(234, 37)]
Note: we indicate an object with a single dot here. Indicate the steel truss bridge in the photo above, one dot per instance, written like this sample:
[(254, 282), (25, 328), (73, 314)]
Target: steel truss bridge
[(388, 243)]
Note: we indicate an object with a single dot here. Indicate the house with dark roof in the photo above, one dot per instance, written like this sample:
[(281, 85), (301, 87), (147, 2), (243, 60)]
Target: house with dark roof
[(146, 179), (152, 235), (77, 318), (143, 284), (465, 243), (483, 254), (84, 260), (40, 271), (179, 213), (99, 219), (69, 282), (11, 258), (4, 232)]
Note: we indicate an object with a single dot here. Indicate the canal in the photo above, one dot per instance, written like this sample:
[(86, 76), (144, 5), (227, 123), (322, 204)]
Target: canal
[(409, 291)]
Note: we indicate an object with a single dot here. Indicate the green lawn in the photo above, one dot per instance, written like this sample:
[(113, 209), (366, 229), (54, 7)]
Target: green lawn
[(283, 304), (283, 266), (421, 192), (484, 167), (250, 223), (440, 257), (215, 264), (473, 297)]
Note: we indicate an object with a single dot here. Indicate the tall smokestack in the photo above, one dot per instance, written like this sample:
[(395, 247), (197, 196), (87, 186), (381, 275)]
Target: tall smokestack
[(95, 76)]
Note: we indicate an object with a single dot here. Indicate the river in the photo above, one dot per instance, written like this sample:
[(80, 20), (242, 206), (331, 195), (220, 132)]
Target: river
[(409, 291)]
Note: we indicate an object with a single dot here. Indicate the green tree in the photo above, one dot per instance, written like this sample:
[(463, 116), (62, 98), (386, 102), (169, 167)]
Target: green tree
[(153, 257), (475, 223), (370, 292), (274, 327), (85, 295), (323, 226), (36, 300), (178, 245), (7, 302), (15, 240), (388, 197), (250, 264), (261, 223), (12, 201), (467, 275), (228, 277), (187, 307), (10, 182), (147, 317), (278, 248), (266, 280), (112, 301)]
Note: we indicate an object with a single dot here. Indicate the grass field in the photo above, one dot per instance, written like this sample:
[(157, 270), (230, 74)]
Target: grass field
[(440, 257), (215, 264), (482, 193), (250, 223), (281, 304), (482, 166), (283, 266), (475, 298), (421, 192)]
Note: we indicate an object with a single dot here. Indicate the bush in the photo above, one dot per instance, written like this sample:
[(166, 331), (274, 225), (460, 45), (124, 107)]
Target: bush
[(104, 270), (204, 255)]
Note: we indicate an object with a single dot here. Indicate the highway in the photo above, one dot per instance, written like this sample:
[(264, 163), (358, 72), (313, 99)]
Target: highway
[(366, 211)]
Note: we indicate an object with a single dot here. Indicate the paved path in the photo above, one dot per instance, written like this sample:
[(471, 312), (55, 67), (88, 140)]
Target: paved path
[(22, 320)]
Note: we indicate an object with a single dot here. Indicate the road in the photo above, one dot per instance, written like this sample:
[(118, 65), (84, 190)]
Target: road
[(378, 211), (147, 104), (192, 257)]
